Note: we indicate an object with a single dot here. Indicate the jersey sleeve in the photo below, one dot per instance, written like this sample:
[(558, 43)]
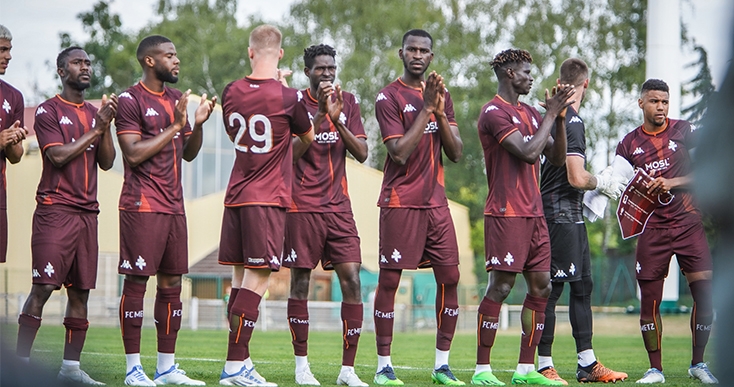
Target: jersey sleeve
[(48, 130), (388, 117), (354, 121), (576, 143), (690, 135), (300, 122), (18, 109), (128, 117), (496, 123), (623, 152)]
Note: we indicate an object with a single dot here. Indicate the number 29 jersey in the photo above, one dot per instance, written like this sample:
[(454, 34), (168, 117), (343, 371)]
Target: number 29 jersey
[(259, 116)]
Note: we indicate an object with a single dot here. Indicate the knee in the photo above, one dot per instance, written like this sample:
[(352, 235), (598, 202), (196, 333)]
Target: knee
[(541, 289), (448, 276), (389, 280), (498, 291), (299, 284)]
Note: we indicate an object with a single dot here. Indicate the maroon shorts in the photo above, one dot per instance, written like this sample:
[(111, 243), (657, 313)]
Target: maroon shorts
[(417, 238), (3, 235), (656, 246), (152, 242), (64, 247), (252, 236), (516, 244), (329, 237)]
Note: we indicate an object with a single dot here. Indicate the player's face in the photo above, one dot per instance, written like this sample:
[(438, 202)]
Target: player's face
[(166, 63), (522, 81), (323, 70), (416, 54), (77, 73), (5, 56), (654, 105)]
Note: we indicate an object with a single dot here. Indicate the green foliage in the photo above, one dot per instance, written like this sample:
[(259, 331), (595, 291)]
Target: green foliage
[(700, 86)]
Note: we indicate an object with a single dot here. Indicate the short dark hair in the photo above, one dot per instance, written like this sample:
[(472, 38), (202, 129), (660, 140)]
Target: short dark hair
[(64, 54), (510, 56), (149, 42), (655, 84), (310, 53), (574, 71), (418, 33)]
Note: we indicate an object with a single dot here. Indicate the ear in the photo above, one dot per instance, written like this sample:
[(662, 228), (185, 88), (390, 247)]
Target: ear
[(250, 52), (149, 61), (280, 54), (639, 102), (586, 83), (307, 71), (400, 54), (60, 71)]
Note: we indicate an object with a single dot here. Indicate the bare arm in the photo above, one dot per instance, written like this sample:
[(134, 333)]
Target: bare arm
[(578, 176), (662, 185), (556, 148), (194, 141)]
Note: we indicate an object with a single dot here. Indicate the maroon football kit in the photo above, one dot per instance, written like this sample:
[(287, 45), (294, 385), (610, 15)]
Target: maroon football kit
[(11, 110), (64, 239)]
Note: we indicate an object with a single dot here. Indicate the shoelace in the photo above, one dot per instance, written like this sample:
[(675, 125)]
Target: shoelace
[(447, 372), (388, 372)]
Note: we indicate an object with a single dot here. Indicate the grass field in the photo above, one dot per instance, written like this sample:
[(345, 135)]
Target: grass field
[(202, 353)]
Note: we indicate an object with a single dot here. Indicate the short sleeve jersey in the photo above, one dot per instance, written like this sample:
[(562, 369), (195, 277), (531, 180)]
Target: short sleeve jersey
[(665, 154), (10, 111), (155, 184), (319, 176), (420, 182), (259, 116), (562, 203), (60, 122), (513, 183)]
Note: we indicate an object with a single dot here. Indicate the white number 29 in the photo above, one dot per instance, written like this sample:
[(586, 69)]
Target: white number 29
[(266, 138)]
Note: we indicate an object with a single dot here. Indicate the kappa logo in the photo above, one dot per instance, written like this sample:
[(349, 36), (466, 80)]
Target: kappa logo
[(572, 269), (383, 259), (408, 108), (672, 145), (380, 97), (255, 261), (509, 259), (638, 267), (40, 110), (275, 261), (126, 265), (151, 112), (638, 151), (342, 118), (254, 86), (495, 261), (65, 121), (490, 108), (140, 263), (49, 270), (310, 116), (94, 122), (535, 123), (292, 256), (515, 120), (560, 274), (576, 119), (527, 138), (125, 94), (299, 95), (396, 255), (6, 106), (35, 273)]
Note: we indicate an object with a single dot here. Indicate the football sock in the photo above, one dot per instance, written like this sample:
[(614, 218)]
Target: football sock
[(701, 318), (651, 325), (546, 340), (132, 360), (488, 316), (482, 368), (76, 333), (447, 305), (242, 322), (383, 361), (232, 295), (131, 315), (442, 358), (544, 362), (301, 363), (298, 323), (167, 316), (233, 367), (524, 368), (387, 285), (586, 358), (579, 313), (532, 317), (165, 362), (27, 329), (70, 364), (351, 330)]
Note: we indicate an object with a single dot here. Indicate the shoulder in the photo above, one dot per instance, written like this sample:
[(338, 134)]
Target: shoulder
[(11, 90), (387, 93), (175, 93)]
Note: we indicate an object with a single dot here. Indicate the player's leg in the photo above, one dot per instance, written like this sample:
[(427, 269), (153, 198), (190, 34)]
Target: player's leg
[(384, 316), (488, 317), (76, 325), (352, 312), (30, 319), (651, 327), (447, 314), (131, 325), (701, 322), (299, 324), (545, 360)]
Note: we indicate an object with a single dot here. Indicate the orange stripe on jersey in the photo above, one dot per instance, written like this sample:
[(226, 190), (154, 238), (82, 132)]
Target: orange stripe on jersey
[(418, 89), (129, 132), (440, 176), (157, 93), (345, 189), (361, 136), (144, 205), (268, 204), (509, 133), (433, 156), (509, 211), (391, 137), (78, 105), (394, 198), (50, 145)]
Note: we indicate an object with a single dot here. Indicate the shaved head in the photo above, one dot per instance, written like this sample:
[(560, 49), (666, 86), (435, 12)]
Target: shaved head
[(265, 37), (148, 44)]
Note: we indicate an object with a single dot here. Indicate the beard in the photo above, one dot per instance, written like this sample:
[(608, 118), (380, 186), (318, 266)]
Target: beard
[(165, 76), (79, 85)]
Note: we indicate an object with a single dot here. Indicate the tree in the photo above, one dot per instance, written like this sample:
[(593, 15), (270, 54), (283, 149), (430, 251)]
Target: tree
[(700, 86)]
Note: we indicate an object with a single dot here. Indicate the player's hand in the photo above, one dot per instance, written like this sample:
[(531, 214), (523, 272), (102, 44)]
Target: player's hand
[(609, 184), (13, 134), (335, 105), (323, 94), (205, 109), (180, 114), (282, 74), (441, 103), (430, 92), (659, 185), (560, 100), (107, 112)]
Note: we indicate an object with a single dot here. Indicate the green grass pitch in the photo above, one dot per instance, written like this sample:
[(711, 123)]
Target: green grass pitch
[(201, 354)]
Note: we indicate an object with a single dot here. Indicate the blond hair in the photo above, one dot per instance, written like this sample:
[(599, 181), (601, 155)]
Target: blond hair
[(265, 37)]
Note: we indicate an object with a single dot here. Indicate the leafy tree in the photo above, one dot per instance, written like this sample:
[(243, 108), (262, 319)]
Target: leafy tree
[(700, 86)]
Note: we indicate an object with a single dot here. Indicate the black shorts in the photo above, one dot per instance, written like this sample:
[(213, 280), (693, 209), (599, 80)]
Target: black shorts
[(570, 259)]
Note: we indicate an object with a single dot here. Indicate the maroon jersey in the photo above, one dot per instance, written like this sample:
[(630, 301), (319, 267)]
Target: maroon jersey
[(11, 110), (319, 176), (259, 115), (155, 184), (665, 154), (60, 122), (420, 182), (513, 183)]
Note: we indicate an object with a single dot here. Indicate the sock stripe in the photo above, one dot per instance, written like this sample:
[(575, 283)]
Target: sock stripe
[(344, 336), (239, 331), (532, 333), (122, 314), (443, 305), (168, 320)]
